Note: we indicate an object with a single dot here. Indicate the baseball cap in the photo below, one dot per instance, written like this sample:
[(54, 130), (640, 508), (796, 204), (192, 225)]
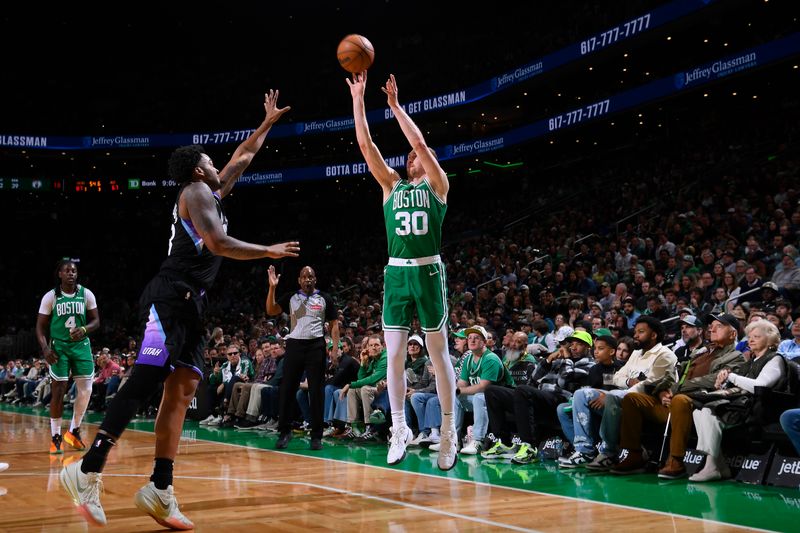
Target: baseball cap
[(770, 285), (460, 334), (353, 324), (688, 258), (690, 320), (524, 287), (417, 339), (581, 336), (725, 318), (330, 344), (629, 299), (602, 332), (562, 333), (596, 304), (480, 330)]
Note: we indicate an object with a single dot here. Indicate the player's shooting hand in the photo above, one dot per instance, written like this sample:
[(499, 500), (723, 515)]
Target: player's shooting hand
[(391, 91), (284, 249), (358, 84), (271, 107)]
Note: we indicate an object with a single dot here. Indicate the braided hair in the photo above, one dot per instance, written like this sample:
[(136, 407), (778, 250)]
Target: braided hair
[(61, 264)]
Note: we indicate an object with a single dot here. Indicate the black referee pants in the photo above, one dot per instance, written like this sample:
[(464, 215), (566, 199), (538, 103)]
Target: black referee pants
[(303, 355)]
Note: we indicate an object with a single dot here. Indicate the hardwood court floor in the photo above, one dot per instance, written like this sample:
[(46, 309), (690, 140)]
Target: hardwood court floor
[(241, 487)]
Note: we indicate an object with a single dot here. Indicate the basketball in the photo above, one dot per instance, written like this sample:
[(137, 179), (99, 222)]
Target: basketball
[(355, 53)]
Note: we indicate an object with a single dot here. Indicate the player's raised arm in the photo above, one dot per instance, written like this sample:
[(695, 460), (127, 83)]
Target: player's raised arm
[(383, 173), (437, 176), (203, 213), (247, 150)]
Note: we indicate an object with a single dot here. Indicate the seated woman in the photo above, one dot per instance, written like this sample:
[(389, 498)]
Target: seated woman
[(765, 369)]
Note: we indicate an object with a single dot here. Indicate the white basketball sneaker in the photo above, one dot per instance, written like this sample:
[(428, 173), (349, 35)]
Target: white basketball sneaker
[(397, 444), (162, 506), (448, 449), (84, 489)]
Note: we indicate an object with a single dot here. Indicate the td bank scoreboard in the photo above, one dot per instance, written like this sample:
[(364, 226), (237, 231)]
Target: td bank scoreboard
[(83, 185)]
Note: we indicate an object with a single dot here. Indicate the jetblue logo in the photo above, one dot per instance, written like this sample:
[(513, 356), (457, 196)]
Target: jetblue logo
[(751, 464), (692, 458), (790, 467)]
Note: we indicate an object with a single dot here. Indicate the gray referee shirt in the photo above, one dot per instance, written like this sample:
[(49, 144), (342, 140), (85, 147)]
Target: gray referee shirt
[(308, 314)]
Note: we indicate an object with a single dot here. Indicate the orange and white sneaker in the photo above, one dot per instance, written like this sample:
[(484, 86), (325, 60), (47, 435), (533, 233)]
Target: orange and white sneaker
[(55, 445), (73, 438), (162, 506)]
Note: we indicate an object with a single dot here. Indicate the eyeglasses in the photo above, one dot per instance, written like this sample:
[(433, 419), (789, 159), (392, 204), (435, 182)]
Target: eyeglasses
[(233, 353)]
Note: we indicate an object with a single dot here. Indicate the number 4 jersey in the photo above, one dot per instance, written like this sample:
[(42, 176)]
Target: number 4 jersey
[(414, 217), (67, 311)]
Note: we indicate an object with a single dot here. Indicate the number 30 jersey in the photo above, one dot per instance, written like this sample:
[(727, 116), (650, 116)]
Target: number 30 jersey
[(414, 217)]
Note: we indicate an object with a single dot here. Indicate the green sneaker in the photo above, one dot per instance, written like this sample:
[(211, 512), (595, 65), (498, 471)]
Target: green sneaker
[(526, 455), (501, 451), (377, 417)]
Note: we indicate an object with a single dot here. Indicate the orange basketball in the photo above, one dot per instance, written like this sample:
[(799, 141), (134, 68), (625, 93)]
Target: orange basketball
[(355, 53)]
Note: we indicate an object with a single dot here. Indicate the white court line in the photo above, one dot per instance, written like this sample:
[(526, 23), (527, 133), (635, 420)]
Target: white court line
[(479, 483), (345, 492), (152, 447)]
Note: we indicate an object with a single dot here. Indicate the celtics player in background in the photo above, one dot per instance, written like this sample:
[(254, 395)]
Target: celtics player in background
[(65, 310), (414, 279)]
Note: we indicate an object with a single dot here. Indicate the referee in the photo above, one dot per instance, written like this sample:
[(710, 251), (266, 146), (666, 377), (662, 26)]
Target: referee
[(309, 309)]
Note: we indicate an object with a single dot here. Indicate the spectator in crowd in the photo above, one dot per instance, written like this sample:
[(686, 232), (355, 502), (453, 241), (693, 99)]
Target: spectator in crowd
[(788, 278), (224, 377), (108, 375), (240, 393), (361, 392), (790, 348), (764, 369), (581, 418), (482, 369), (534, 404), (426, 407), (750, 282), (543, 341), (625, 347), (669, 399), (630, 312), (521, 367), (343, 369), (264, 399), (790, 422), (691, 338)]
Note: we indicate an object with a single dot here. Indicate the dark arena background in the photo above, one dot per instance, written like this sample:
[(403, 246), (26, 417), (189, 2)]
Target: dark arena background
[(606, 160)]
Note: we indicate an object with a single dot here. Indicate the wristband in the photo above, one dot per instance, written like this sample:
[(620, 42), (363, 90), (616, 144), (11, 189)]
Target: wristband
[(85, 331)]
